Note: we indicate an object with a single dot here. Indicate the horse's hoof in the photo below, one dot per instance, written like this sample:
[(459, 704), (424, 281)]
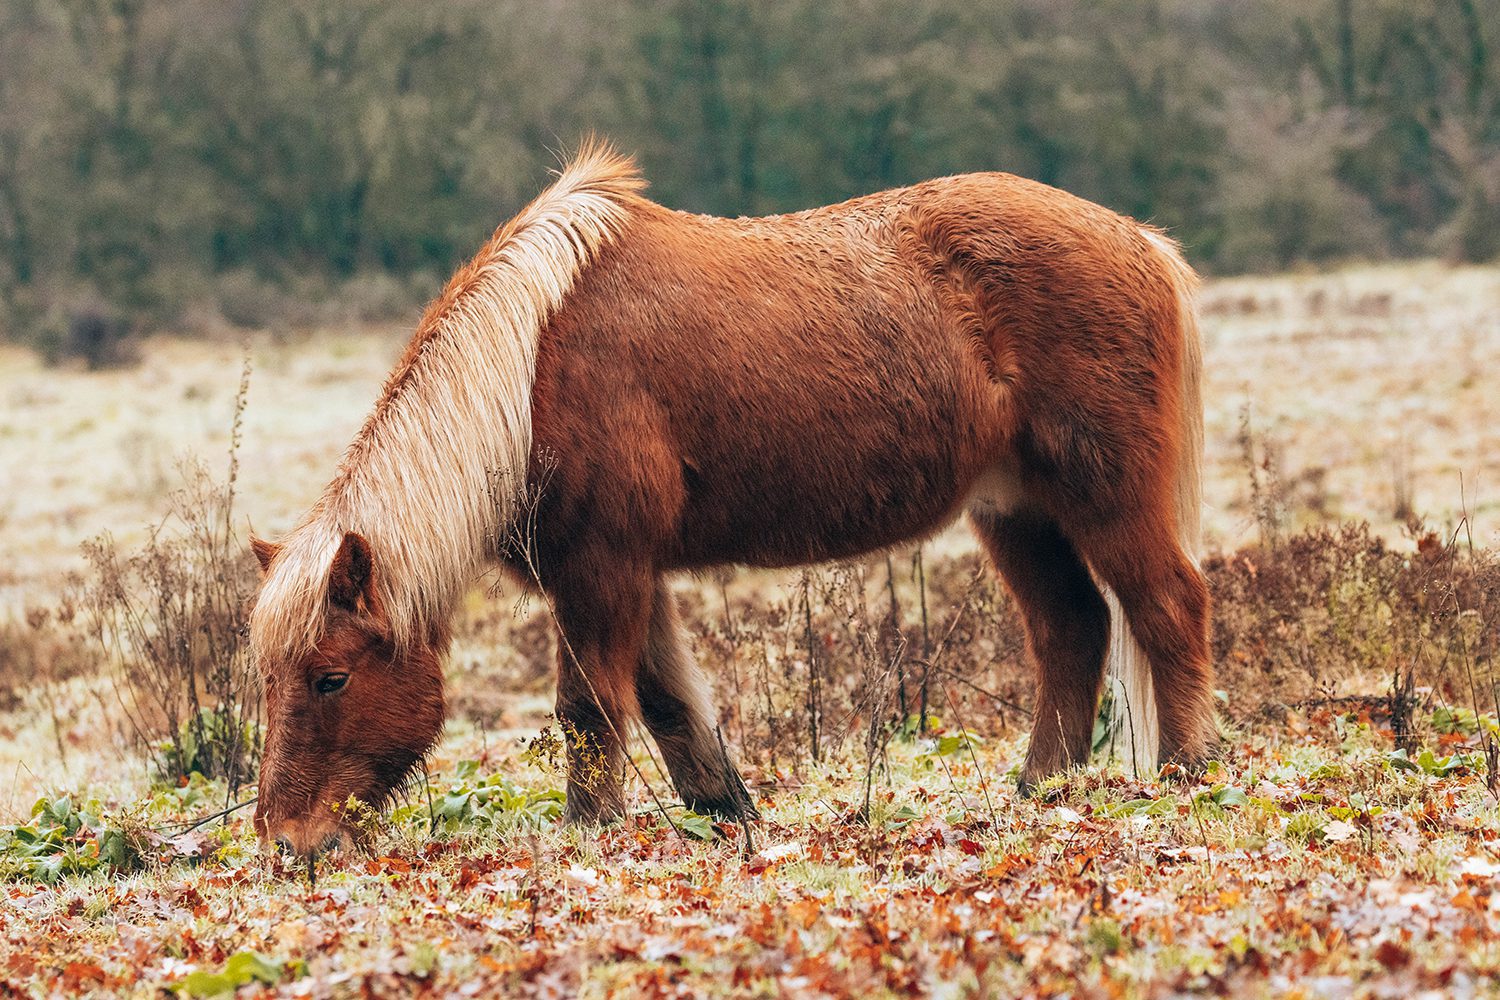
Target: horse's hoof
[(591, 813), (1029, 789), (735, 807)]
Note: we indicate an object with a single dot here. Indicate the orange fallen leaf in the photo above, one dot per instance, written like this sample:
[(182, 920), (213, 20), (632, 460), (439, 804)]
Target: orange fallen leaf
[(1465, 901), (1391, 955), (76, 975), (805, 912)]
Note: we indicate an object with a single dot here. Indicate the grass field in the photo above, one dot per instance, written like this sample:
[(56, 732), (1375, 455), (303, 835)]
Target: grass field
[(1346, 845)]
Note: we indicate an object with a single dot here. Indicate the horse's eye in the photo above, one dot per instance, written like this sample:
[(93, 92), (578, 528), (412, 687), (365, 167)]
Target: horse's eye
[(329, 683)]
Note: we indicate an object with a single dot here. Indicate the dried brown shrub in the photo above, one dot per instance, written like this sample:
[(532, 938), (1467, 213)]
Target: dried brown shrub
[(847, 652), (1327, 611), (1339, 609), (171, 618), (44, 647)]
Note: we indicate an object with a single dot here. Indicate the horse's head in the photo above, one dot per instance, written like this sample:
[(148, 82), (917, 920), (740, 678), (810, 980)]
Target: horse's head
[(350, 713)]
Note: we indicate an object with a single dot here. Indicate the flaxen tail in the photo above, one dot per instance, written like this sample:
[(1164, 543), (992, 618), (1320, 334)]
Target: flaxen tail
[(1138, 734)]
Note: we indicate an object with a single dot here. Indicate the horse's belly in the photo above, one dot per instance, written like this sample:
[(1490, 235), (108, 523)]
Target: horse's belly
[(831, 492)]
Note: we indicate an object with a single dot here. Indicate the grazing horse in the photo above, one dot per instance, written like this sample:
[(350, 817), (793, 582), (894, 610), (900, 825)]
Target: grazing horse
[(676, 392)]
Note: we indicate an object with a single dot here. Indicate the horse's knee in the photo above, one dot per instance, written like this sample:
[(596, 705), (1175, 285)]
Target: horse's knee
[(594, 708), (1175, 615), (1067, 628), (1067, 620)]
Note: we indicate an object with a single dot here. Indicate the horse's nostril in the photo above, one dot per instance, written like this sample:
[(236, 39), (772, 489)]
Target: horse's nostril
[(284, 844)]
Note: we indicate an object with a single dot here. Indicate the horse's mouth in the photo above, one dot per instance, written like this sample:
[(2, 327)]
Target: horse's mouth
[(336, 844)]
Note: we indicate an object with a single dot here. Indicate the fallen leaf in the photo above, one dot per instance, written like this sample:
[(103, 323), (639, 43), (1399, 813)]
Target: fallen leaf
[(1338, 830)]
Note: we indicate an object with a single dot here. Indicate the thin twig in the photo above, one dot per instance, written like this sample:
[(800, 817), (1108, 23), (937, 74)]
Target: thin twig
[(431, 812), (969, 746), (953, 784), (731, 631), (1208, 853), (731, 777), (949, 674), (195, 824), (927, 656)]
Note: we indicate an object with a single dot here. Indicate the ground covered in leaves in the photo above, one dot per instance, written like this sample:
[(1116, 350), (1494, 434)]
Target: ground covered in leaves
[(1318, 861)]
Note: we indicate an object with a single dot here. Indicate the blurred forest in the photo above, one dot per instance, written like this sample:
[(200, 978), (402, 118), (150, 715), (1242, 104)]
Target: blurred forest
[(160, 155)]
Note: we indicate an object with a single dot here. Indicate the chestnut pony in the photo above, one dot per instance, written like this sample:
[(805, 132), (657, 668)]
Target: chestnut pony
[(680, 392)]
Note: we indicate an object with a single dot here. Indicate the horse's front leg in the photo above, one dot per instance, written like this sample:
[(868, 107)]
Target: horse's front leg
[(677, 707), (602, 627)]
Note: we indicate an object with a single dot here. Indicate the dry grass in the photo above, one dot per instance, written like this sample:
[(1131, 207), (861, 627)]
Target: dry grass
[(1369, 390)]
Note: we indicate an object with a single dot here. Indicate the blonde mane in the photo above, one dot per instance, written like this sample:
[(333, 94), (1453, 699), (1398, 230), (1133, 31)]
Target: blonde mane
[(419, 480)]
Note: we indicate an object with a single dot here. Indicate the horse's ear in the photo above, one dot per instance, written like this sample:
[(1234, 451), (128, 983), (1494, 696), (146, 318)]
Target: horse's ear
[(351, 579), (264, 552)]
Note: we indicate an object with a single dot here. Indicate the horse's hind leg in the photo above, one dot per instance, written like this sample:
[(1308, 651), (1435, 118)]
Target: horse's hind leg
[(1165, 600), (601, 630), (676, 707), (1067, 631)]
